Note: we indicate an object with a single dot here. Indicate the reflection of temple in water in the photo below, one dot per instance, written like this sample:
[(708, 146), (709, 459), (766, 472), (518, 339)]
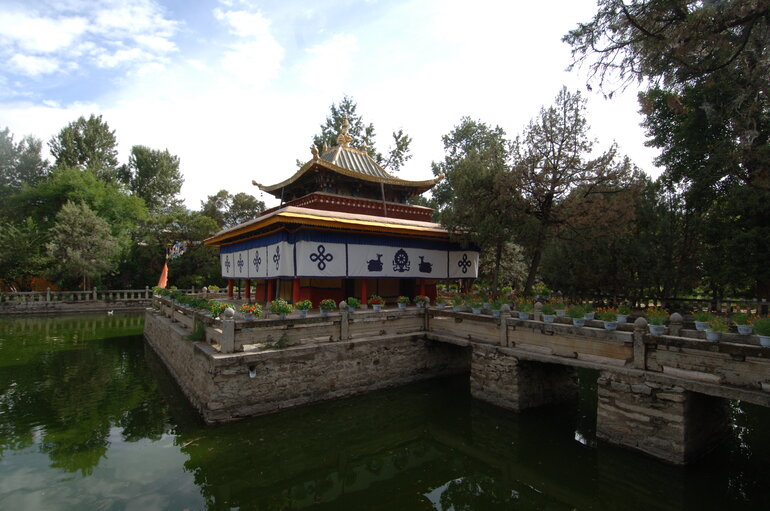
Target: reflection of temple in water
[(344, 228)]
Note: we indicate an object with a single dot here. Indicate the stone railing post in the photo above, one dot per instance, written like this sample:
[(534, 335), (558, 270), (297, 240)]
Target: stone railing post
[(538, 315), (505, 313), (227, 345), (675, 324), (95, 298), (48, 294), (344, 324), (147, 292), (640, 350)]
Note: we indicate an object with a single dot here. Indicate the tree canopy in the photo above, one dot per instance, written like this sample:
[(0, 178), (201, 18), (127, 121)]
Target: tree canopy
[(229, 210), (87, 144), (154, 176)]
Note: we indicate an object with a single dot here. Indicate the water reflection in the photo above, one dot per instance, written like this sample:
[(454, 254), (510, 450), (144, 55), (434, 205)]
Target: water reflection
[(90, 415)]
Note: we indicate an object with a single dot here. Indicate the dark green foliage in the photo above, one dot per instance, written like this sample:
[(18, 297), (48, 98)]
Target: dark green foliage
[(87, 144), (22, 253), (229, 210), (20, 163), (154, 176)]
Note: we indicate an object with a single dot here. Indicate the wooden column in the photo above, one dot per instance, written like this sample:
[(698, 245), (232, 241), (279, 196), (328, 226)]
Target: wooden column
[(270, 291), (295, 291), (363, 292), (230, 288), (248, 290)]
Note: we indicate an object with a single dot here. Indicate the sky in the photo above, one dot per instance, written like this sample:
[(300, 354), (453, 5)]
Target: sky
[(237, 89)]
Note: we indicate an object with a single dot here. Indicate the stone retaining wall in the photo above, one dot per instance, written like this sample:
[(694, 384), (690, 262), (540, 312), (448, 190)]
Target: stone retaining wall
[(227, 386)]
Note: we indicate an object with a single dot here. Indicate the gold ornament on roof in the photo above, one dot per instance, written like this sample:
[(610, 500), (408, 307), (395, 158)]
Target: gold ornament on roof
[(344, 138), (314, 151)]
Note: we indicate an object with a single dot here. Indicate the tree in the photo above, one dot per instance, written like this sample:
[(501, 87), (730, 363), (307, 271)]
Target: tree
[(87, 144), (561, 186), (21, 253), (230, 210), (154, 176), (20, 163), (480, 176), (363, 136), (81, 245)]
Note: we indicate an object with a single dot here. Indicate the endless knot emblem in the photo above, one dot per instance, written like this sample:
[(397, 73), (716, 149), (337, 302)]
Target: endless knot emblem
[(277, 257), (464, 263), (227, 262), (401, 261), (257, 261), (240, 263), (321, 257)]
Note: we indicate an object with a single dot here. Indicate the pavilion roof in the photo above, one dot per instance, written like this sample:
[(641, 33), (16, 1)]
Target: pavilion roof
[(348, 161)]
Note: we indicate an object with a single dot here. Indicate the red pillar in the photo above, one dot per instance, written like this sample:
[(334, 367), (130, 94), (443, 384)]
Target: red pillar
[(230, 288), (363, 291), (295, 291), (248, 290), (270, 291), (422, 287)]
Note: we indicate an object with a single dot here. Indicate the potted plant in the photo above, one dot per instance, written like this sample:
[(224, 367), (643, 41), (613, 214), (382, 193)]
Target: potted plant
[(475, 306), (702, 319), (525, 309), (251, 310), (549, 313), (422, 301), (457, 303), (353, 303), (496, 306), (578, 315), (403, 301), (656, 317), (304, 306), (762, 329), (326, 305), (213, 289), (717, 326), (742, 323), (610, 318), (623, 312), (376, 302), (588, 312), (441, 303), (216, 308), (281, 307), (560, 309)]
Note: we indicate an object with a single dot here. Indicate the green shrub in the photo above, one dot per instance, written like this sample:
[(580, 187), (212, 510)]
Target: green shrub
[(328, 304), (762, 326), (576, 312), (304, 305), (353, 302), (281, 306)]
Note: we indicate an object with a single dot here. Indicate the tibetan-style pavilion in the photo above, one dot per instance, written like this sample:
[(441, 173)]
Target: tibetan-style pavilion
[(344, 228)]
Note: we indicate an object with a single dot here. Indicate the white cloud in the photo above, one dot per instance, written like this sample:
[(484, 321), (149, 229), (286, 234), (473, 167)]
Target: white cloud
[(255, 57), (30, 65), (40, 34), (327, 66)]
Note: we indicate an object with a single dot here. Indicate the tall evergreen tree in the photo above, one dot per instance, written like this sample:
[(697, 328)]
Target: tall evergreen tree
[(87, 144), (154, 176)]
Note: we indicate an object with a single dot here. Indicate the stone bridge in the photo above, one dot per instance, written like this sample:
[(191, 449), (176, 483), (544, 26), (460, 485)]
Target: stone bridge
[(666, 396)]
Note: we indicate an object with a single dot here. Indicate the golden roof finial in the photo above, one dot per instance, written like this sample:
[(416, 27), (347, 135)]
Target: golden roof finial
[(344, 138), (314, 151)]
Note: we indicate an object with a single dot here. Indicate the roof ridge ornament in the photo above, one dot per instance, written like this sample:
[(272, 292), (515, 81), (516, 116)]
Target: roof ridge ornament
[(344, 139)]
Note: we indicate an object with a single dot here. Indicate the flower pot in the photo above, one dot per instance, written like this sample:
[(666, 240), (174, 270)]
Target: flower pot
[(351, 309), (764, 340), (477, 310), (303, 314), (495, 313), (548, 318), (524, 315), (622, 318), (713, 336), (282, 315), (745, 329), (578, 321), (457, 308), (420, 305), (561, 312), (441, 306), (589, 316), (402, 306), (701, 326), (485, 305), (610, 325), (657, 329), (248, 317), (377, 307), (324, 313)]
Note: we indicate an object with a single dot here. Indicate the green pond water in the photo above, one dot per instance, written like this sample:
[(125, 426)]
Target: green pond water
[(89, 419)]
